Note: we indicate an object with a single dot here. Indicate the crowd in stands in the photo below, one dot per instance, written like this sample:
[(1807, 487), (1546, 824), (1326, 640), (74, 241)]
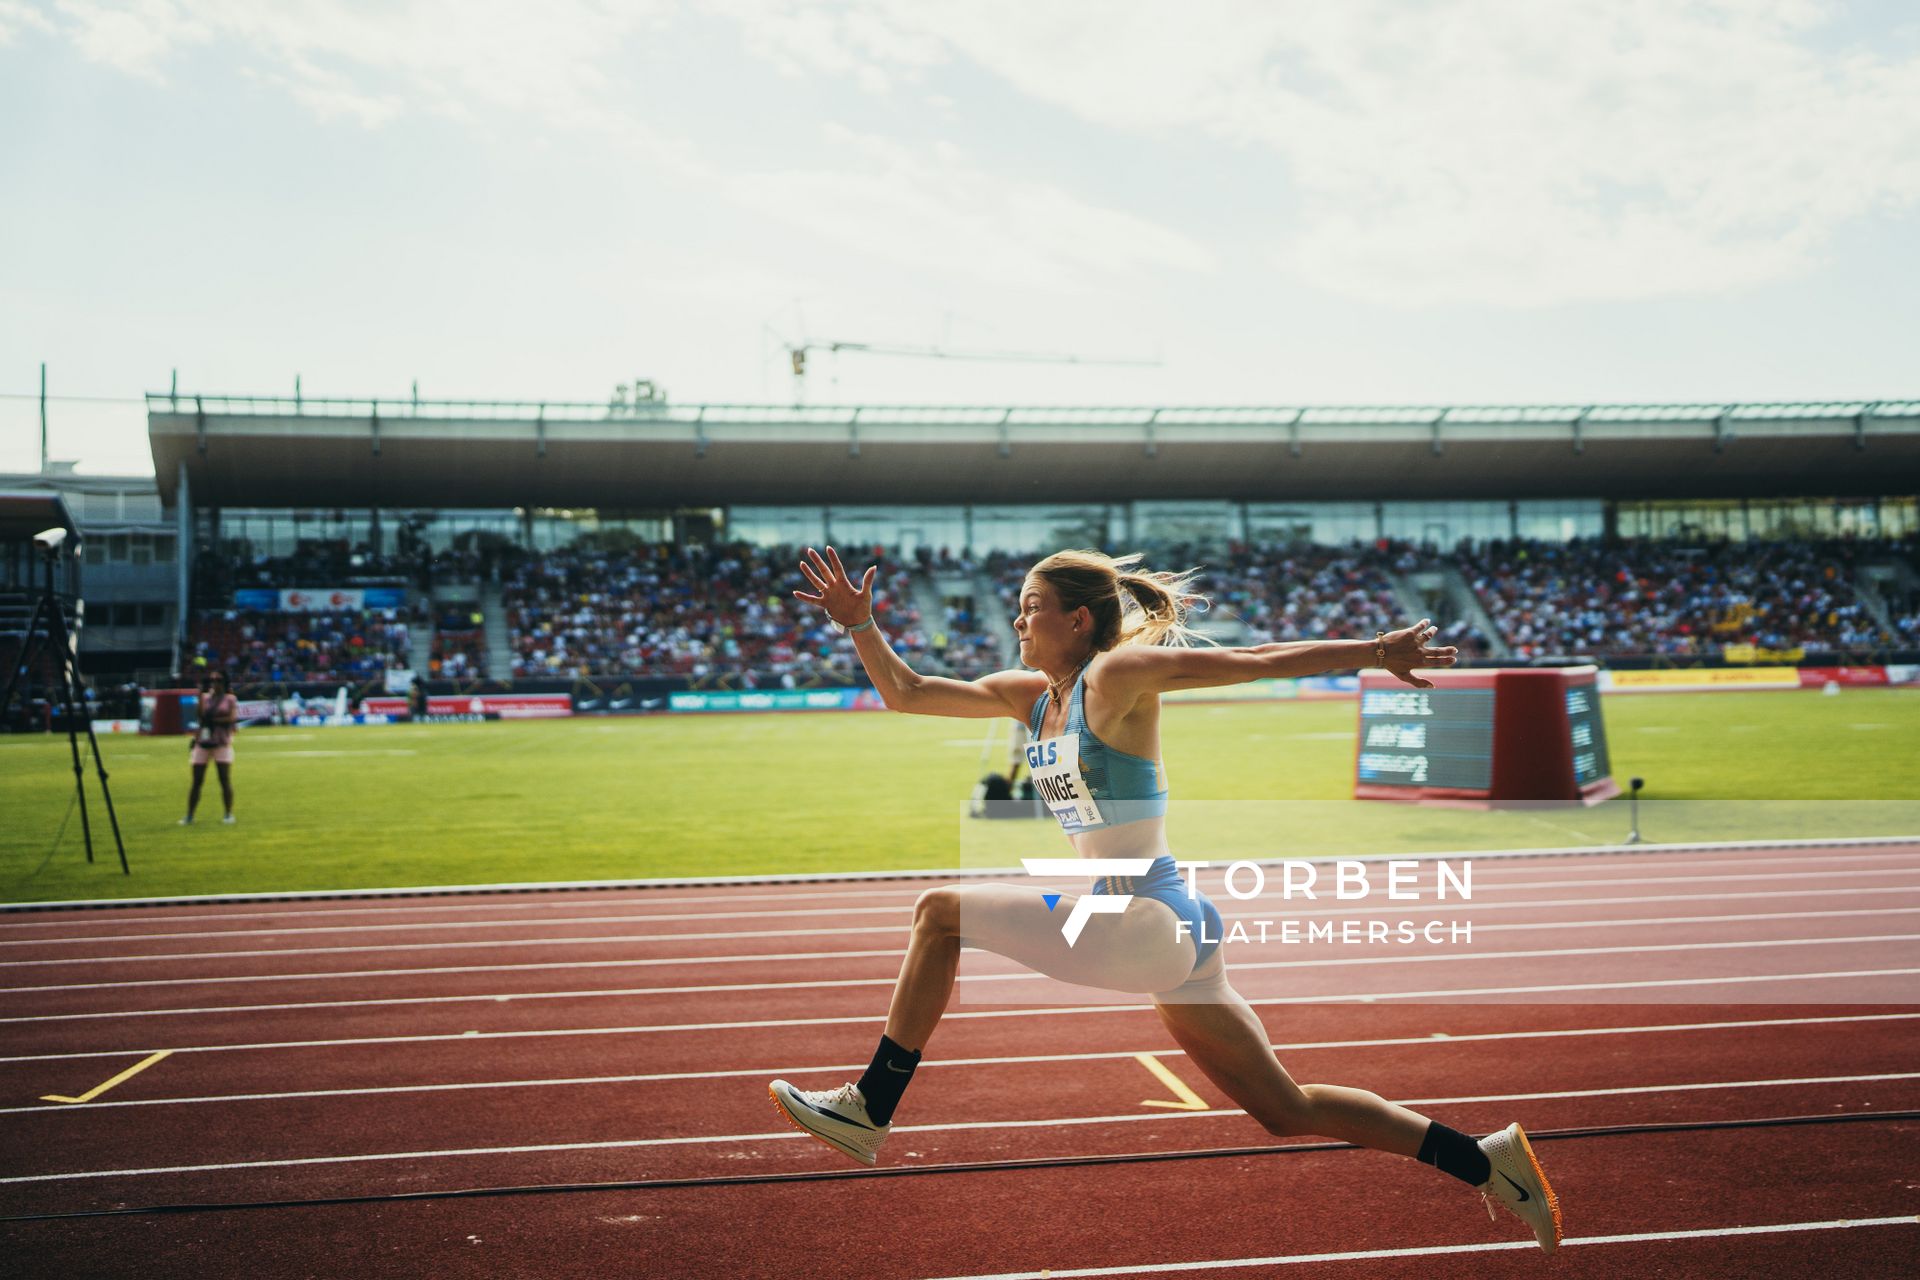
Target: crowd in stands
[(727, 610), (274, 647), (40, 682), (1905, 615), (966, 641), (1304, 592), (256, 647), (334, 563), (1550, 599), (1901, 594), (1648, 598), (691, 611), (1266, 594), (459, 644)]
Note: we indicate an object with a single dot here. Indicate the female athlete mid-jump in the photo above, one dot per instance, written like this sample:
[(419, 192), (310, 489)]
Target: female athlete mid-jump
[(1094, 631)]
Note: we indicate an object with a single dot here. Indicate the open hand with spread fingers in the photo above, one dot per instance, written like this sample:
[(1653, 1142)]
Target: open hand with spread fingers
[(846, 604), (1408, 649)]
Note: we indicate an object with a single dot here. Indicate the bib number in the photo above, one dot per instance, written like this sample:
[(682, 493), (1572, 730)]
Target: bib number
[(1055, 766)]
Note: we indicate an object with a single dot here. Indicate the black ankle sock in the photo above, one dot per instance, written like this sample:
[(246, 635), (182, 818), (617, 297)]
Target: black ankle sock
[(1451, 1151), (886, 1079)]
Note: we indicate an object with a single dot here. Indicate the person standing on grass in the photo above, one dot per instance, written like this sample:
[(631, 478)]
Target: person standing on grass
[(1101, 640), (214, 741)]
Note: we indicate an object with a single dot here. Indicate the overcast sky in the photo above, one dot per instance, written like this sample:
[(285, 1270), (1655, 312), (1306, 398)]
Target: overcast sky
[(1281, 203)]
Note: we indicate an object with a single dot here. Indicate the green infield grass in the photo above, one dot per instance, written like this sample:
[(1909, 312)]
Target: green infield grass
[(592, 799)]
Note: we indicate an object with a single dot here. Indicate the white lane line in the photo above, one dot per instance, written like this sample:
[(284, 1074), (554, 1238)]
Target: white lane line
[(1325, 892), (1363, 997), (1480, 882), (752, 957), (1436, 1040), (561, 1033), (966, 1126), (1411, 908), (1629, 921), (487, 943), (408, 927), (1441, 1250), (1025, 975), (503, 899), (1415, 909)]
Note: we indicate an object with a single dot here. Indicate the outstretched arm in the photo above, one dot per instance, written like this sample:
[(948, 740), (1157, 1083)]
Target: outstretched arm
[(1004, 693), (1144, 669)]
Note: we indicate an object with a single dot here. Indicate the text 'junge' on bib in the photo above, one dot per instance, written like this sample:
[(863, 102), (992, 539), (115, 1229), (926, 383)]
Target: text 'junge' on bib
[(1055, 766)]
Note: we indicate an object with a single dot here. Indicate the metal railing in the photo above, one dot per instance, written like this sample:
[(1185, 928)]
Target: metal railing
[(1727, 414)]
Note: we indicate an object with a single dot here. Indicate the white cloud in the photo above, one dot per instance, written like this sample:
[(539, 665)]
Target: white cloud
[(15, 15), (134, 36), (1470, 151), (937, 209), (1498, 151), (373, 61), (860, 42), (331, 95)]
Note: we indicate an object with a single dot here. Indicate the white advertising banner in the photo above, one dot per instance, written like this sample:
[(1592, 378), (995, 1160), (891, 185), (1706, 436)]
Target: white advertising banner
[(321, 599)]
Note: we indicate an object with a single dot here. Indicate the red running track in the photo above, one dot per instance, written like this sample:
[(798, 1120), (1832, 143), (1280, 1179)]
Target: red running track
[(321, 1051)]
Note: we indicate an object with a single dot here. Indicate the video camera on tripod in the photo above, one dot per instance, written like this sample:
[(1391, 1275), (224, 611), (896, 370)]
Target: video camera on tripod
[(47, 632)]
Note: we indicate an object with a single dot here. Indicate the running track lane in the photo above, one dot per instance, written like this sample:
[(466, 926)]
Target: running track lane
[(717, 1127), (1140, 1216), (1566, 1052)]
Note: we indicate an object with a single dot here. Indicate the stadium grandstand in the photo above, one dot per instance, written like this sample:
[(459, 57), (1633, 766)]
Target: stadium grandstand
[(308, 545)]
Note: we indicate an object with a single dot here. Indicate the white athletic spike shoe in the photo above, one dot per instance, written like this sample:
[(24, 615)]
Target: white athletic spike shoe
[(1519, 1183), (838, 1117)]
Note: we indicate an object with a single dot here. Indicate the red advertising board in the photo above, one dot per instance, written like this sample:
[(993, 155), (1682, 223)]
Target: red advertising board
[(508, 706), (1818, 677)]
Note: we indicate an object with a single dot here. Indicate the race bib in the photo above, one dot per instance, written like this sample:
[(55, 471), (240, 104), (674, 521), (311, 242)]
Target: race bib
[(1055, 766)]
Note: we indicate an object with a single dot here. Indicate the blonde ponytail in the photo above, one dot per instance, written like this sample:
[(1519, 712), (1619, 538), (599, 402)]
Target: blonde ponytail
[(1164, 600), (1129, 605)]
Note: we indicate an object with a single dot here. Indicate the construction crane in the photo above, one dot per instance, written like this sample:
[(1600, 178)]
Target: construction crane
[(797, 353)]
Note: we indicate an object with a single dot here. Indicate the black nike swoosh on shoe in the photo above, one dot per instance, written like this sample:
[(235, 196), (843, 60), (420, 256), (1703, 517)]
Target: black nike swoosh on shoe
[(1524, 1197), (835, 1115)]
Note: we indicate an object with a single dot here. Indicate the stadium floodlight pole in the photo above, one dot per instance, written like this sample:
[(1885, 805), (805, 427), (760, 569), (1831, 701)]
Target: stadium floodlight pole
[(72, 696)]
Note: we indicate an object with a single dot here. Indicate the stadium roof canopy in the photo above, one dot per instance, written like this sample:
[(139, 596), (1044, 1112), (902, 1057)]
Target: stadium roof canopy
[(302, 452), (24, 514)]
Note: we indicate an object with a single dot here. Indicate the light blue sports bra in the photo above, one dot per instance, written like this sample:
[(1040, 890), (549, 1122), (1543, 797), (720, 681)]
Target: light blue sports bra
[(1125, 788)]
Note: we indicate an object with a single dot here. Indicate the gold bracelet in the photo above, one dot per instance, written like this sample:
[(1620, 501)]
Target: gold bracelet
[(1380, 649)]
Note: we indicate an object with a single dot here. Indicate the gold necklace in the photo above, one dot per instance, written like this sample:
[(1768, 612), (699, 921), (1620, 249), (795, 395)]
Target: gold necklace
[(1055, 689)]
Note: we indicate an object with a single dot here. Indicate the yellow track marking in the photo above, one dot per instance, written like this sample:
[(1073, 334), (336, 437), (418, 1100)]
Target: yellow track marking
[(99, 1089), (1188, 1099)]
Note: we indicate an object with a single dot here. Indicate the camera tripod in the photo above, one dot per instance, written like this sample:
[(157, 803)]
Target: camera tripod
[(47, 612)]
